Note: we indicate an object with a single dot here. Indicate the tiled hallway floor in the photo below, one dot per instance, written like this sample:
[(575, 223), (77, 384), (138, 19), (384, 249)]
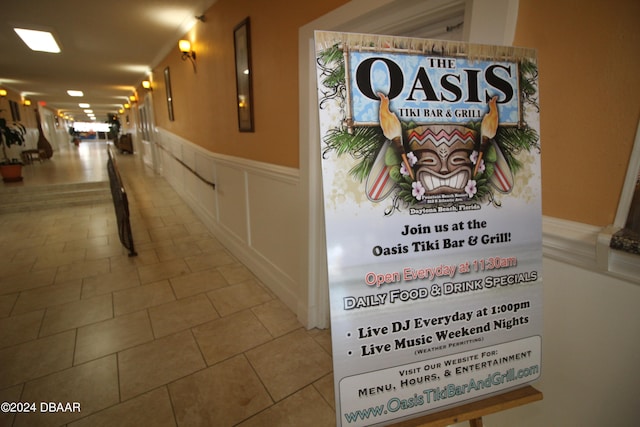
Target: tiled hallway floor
[(182, 334)]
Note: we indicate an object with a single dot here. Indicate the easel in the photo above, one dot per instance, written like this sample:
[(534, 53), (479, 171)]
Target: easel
[(473, 412)]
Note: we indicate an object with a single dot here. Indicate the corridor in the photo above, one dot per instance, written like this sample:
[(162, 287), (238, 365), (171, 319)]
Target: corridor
[(181, 334)]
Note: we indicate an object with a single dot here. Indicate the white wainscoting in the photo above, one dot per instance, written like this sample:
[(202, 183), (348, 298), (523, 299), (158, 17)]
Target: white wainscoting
[(254, 210), (587, 246)]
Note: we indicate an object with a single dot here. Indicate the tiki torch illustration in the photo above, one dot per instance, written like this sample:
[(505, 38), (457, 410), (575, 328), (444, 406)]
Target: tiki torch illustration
[(488, 129), (392, 130)]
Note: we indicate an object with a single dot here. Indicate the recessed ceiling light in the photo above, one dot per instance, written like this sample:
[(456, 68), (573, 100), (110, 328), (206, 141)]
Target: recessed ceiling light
[(40, 41), (75, 93), (84, 105)]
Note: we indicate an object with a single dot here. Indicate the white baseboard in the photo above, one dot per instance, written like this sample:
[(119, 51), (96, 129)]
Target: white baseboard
[(587, 246)]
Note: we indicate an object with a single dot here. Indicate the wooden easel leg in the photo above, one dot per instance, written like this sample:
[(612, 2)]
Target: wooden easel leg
[(474, 411)]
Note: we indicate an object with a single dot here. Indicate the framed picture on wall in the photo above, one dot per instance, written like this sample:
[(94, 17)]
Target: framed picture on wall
[(242, 44), (15, 111), (167, 85)]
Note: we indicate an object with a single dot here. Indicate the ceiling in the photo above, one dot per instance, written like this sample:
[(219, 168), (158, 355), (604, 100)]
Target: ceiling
[(435, 19), (108, 48)]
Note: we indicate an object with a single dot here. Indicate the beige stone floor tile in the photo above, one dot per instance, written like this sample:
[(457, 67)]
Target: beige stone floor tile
[(171, 250), (195, 227), (168, 232), (196, 239), (220, 396), (304, 408), (181, 314), (82, 269), (199, 282), (207, 243), (126, 262), (66, 235), (228, 336), (69, 222), (113, 335), (322, 337), (35, 359), (67, 262), (109, 282), (150, 245), (325, 387), (236, 273), (150, 409), (170, 219), (57, 259), (94, 385), (113, 248), (27, 280), (22, 260), (276, 317), (13, 264), (140, 234), (154, 211), (77, 313), (289, 363), (47, 296), (98, 228), (148, 222), (11, 394), (264, 288), (234, 298), (21, 242), (20, 328), (209, 260), (179, 207), (6, 304), (164, 270), (141, 297), (157, 363), (89, 242), (33, 247)]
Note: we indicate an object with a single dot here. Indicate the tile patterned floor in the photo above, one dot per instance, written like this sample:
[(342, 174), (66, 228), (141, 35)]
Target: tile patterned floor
[(182, 334)]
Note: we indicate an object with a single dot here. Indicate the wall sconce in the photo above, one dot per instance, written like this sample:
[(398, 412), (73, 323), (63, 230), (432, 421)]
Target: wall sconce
[(27, 102), (3, 92), (127, 106), (146, 84), (185, 48), (132, 98), (187, 53)]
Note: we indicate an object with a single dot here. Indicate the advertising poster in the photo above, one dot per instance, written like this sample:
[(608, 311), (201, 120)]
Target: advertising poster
[(431, 179)]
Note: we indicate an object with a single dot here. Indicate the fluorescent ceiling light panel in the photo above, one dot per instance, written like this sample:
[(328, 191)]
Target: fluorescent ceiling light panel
[(40, 41), (75, 93), (84, 105)]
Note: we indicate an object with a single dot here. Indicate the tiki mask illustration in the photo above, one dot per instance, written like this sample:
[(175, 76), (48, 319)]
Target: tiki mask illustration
[(443, 152)]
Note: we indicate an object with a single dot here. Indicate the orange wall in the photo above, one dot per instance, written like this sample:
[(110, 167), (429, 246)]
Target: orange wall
[(588, 61), (205, 101), (589, 64)]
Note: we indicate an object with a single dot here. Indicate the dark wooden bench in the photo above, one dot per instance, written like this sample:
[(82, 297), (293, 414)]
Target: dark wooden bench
[(28, 156), (124, 143)]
